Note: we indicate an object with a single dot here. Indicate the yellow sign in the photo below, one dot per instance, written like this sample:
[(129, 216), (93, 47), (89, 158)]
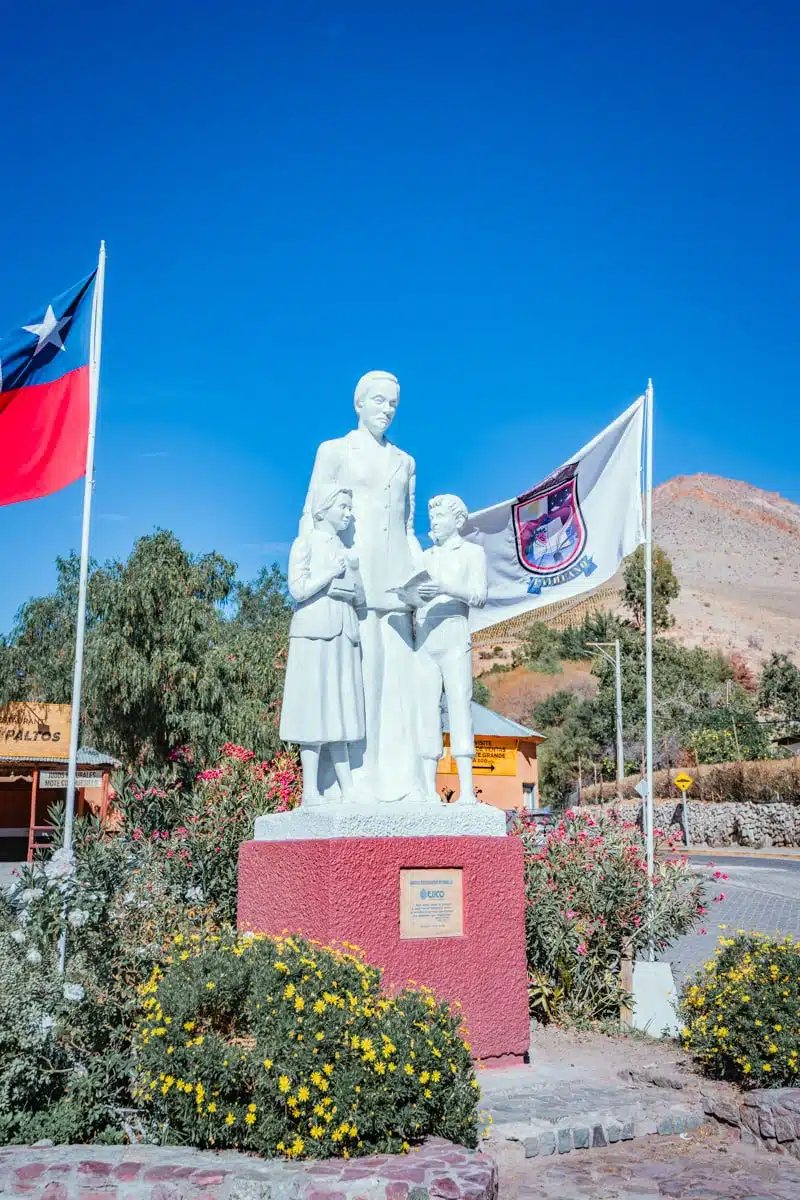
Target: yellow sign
[(683, 781), (493, 756), (33, 731)]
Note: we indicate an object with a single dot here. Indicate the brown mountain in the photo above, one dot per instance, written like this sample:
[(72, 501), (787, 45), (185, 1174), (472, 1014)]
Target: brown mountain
[(736, 552)]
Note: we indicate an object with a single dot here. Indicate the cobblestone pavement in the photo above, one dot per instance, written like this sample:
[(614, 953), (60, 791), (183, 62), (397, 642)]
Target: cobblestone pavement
[(707, 1165), (760, 894)]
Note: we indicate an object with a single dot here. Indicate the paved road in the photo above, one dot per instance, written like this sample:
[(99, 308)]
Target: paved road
[(761, 894)]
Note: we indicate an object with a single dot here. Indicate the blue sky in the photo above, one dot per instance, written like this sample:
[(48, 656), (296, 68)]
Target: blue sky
[(521, 209)]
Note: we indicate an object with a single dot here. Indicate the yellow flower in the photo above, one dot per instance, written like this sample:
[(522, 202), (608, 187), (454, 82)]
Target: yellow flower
[(772, 1048), (251, 1108), (766, 1067), (328, 1069), (409, 1070), (747, 1068), (289, 991), (212, 1108), (319, 1006), (380, 1067), (188, 1026), (316, 1131), (424, 1077), (299, 1003), (284, 1084), (778, 1028), (230, 1119), (303, 1093), (250, 1119), (210, 985), (267, 1063)]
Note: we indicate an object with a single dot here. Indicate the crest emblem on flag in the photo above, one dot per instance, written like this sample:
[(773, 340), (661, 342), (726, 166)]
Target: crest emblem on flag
[(550, 530)]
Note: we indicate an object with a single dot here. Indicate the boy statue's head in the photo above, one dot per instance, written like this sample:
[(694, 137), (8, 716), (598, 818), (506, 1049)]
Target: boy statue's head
[(448, 515)]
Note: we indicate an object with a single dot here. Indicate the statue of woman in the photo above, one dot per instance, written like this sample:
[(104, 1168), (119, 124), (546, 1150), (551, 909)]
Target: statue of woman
[(323, 696)]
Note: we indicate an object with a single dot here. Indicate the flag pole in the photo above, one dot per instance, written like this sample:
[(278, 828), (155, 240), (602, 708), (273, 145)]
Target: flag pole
[(648, 581), (95, 345)]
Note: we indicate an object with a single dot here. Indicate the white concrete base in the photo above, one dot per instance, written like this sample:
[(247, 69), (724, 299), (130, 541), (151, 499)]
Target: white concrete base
[(382, 820), (654, 999)]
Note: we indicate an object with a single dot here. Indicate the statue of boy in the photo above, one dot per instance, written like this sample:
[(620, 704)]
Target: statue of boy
[(444, 647)]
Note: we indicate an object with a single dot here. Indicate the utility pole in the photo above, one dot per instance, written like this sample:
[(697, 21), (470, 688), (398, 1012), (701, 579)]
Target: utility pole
[(616, 663)]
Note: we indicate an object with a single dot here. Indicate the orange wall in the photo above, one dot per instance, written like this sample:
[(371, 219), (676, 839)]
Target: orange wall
[(502, 791)]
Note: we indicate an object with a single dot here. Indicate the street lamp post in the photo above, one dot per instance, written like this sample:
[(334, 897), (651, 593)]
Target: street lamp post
[(617, 665)]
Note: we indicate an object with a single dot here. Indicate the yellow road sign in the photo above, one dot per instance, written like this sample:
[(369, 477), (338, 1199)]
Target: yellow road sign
[(493, 756), (683, 781)]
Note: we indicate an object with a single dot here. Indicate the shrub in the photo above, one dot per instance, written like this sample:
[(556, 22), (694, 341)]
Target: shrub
[(742, 1012), (289, 1049), (211, 814), (65, 1042), (587, 905)]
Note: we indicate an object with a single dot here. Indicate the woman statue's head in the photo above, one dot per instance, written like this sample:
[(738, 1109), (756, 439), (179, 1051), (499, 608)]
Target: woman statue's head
[(333, 507)]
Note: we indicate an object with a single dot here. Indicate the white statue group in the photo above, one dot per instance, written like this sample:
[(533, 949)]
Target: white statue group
[(381, 628)]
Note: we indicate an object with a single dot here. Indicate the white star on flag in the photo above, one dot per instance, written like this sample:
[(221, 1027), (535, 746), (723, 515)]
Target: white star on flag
[(49, 331)]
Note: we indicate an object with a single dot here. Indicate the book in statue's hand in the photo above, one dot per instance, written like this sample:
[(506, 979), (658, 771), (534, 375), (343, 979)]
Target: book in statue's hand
[(409, 591)]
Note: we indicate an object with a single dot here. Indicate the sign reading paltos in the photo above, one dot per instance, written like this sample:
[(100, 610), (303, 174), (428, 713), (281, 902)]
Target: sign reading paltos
[(34, 731)]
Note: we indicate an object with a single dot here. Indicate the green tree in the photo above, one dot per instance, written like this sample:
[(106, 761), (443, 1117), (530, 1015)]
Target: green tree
[(36, 660), (779, 694), (540, 649), (155, 664), (177, 653), (481, 693), (665, 588)]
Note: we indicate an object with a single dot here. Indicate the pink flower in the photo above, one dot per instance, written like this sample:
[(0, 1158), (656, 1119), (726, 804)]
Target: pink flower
[(582, 949), (721, 896), (570, 913), (170, 853), (137, 835), (570, 814), (704, 931), (637, 921)]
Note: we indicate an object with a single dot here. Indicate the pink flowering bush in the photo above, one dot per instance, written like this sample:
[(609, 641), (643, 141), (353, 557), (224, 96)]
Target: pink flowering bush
[(587, 903), (219, 814), (194, 821)]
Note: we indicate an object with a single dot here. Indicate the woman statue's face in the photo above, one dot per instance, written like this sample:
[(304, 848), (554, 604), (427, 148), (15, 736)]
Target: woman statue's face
[(377, 409), (340, 512)]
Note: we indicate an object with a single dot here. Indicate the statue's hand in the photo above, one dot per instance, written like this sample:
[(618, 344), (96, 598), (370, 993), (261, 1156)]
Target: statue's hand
[(340, 564), (427, 591)]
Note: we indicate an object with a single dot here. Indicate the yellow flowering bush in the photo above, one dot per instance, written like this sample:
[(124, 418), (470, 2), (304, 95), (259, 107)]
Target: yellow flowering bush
[(291, 1049), (742, 1012)]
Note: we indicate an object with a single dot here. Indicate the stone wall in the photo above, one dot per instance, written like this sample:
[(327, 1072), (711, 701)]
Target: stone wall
[(768, 1116), (742, 824)]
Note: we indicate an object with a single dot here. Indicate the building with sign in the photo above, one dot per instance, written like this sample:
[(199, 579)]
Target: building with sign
[(34, 754), (506, 771)]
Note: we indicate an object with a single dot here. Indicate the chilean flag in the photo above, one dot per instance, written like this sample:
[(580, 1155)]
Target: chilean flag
[(44, 398)]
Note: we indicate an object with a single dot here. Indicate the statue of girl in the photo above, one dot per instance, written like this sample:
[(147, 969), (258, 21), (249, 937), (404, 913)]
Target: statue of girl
[(323, 694)]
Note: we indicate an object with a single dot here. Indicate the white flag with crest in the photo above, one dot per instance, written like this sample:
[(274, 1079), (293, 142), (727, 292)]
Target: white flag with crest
[(568, 534)]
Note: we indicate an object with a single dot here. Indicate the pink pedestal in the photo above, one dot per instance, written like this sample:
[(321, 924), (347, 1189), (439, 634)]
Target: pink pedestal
[(348, 890)]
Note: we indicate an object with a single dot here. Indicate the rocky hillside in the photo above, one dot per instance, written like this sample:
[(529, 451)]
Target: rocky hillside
[(736, 551)]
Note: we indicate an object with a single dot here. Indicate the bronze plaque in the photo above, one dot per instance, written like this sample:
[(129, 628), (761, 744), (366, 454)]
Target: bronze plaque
[(431, 903)]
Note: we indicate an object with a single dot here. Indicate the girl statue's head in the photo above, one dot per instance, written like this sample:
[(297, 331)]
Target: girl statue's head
[(334, 508)]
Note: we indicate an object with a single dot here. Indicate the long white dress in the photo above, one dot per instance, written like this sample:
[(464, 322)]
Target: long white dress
[(323, 694)]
